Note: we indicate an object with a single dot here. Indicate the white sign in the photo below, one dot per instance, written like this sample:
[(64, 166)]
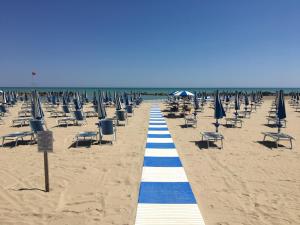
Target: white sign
[(45, 141)]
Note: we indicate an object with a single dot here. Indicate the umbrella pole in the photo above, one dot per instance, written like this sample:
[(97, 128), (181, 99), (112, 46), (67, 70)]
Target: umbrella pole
[(217, 125), (279, 125)]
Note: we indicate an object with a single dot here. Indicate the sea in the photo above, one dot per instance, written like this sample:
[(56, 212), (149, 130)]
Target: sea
[(149, 93)]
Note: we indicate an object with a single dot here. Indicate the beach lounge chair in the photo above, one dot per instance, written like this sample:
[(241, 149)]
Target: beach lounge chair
[(107, 127), (60, 113), (121, 116), (276, 137), (21, 122), (36, 125), (273, 120), (129, 110), (3, 110), (78, 118), (25, 113), (91, 113), (190, 120), (234, 122), (87, 135), (212, 136)]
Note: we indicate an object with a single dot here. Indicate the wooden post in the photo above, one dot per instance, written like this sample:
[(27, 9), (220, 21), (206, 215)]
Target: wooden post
[(47, 188)]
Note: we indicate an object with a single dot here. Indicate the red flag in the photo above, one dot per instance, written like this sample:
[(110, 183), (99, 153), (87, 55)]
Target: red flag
[(33, 73)]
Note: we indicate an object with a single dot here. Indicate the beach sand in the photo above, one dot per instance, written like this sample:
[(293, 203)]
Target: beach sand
[(245, 183)]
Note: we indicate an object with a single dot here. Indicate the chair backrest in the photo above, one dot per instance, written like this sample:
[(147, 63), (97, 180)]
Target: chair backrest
[(106, 126), (120, 115), (37, 125), (129, 109), (2, 109), (65, 108), (79, 115)]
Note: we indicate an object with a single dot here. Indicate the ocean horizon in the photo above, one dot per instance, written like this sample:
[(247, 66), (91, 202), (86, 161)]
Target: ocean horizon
[(152, 93)]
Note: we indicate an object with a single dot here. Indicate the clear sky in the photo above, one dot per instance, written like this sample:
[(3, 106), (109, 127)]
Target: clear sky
[(150, 43)]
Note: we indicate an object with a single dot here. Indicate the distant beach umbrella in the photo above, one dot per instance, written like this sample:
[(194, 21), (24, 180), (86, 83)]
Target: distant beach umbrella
[(236, 104), (173, 93), (196, 101), (77, 103), (281, 112), (37, 112), (101, 109), (246, 99), (26, 97), (219, 110), (183, 94), (118, 103)]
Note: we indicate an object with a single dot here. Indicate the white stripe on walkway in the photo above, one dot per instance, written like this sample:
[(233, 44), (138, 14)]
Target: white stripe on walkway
[(158, 132), (160, 152), (164, 174), (158, 126), (168, 214), (159, 140), (157, 121)]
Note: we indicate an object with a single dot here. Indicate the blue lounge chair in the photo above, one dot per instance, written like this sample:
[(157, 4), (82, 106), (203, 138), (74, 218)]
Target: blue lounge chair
[(121, 116), (276, 137), (107, 127), (129, 110), (36, 126), (212, 136), (83, 136), (78, 118)]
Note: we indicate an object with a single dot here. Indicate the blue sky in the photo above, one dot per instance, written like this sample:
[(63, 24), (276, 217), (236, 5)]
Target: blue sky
[(153, 43)]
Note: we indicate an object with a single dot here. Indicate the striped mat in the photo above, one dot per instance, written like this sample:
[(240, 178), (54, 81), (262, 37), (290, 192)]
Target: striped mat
[(165, 196)]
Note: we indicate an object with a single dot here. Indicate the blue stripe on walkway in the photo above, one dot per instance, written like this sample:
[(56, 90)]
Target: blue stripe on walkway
[(159, 135), (166, 193), (157, 123), (157, 128), (162, 162), (160, 145)]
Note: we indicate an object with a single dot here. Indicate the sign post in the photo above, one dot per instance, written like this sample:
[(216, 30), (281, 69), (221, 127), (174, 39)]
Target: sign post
[(45, 145)]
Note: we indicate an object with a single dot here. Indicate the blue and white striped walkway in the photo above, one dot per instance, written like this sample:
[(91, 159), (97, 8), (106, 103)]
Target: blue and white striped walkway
[(165, 197)]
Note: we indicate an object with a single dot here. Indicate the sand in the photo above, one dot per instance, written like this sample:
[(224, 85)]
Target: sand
[(247, 182)]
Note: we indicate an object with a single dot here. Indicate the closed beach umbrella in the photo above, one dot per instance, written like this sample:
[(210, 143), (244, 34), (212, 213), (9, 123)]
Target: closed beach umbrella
[(77, 102), (196, 101), (101, 108), (236, 104), (281, 113), (219, 110), (37, 112), (118, 103)]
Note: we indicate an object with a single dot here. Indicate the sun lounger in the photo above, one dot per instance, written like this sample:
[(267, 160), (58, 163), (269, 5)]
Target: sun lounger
[(234, 121), (78, 118), (276, 137), (91, 113), (107, 127), (245, 114), (190, 120), (129, 110), (21, 122), (272, 120), (3, 110), (24, 113), (121, 116), (36, 125), (83, 136), (212, 136)]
